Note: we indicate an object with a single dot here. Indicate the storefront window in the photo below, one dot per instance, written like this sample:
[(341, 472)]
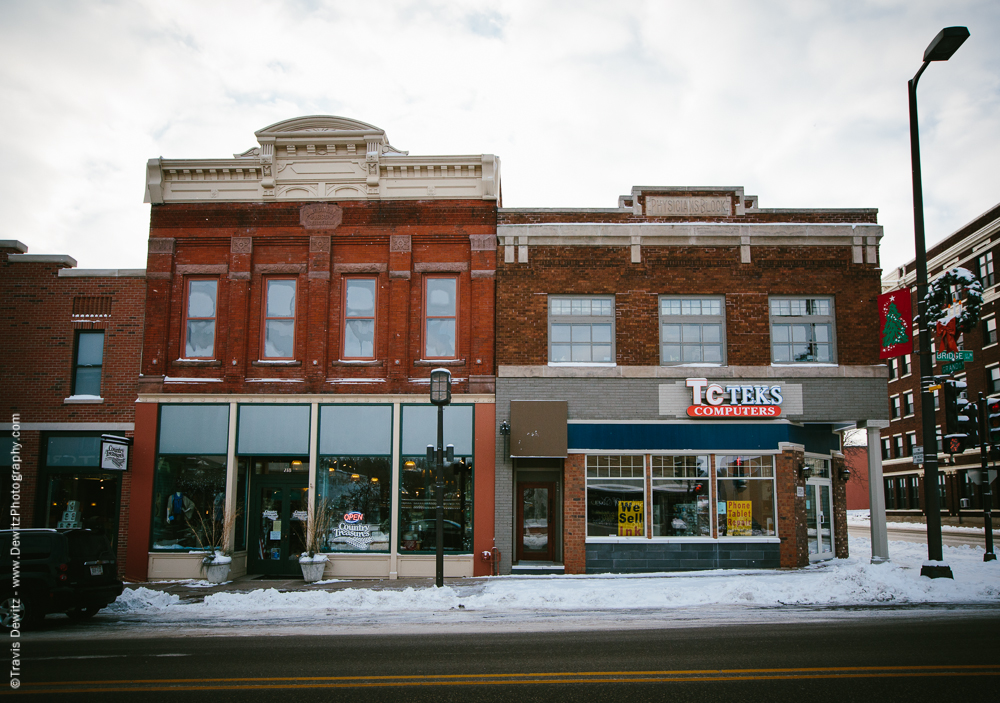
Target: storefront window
[(418, 512), (354, 500), (189, 500), (615, 492), (745, 497), (77, 493), (820, 467), (681, 500)]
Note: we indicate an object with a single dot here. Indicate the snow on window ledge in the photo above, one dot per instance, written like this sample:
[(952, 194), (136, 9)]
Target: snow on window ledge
[(83, 400)]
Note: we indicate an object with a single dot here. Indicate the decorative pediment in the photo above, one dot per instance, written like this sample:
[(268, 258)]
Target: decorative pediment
[(317, 123)]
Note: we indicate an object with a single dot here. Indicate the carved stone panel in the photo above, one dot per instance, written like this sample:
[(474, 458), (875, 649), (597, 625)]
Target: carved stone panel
[(399, 242), (241, 245), (161, 245), (319, 243), (321, 216), (483, 242), (687, 205)]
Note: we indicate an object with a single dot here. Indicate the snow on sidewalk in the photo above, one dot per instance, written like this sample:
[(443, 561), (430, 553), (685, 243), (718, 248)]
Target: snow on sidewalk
[(852, 581), (860, 518)]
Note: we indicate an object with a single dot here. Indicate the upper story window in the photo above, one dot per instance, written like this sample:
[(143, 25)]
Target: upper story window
[(905, 365), (893, 369), (886, 448), (908, 403), (582, 329), (692, 330), (359, 318), (199, 318), (802, 330), (440, 317), (993, 379), (89, 361), (279, 318), (989, 331), (894, 407), (986, 276)]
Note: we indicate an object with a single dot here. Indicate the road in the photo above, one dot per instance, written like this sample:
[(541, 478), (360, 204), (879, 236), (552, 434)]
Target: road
[(911, 654), (918, 533)]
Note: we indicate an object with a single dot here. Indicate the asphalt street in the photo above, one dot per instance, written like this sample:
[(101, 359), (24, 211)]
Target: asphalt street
[(911, 654)]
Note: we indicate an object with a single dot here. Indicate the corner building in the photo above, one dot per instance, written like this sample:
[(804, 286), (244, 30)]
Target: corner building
[(672, 375), (298, 296)]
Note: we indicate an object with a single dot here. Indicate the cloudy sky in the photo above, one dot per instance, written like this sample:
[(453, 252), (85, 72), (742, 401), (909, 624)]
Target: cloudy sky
[(802, 103)]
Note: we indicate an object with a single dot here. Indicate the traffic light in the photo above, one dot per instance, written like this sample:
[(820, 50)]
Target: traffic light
[(961, 420), (951, 391), (993, 421)]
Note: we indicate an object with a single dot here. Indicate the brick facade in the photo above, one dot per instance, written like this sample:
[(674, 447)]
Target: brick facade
[(44, 301), (636, 258)]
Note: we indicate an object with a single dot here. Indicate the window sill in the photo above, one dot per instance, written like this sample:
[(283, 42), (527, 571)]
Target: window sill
[(276, 362), (439, 362), (990, 346), (358, 362), (83, 400), (780, 364), (695, 365), (602, 364), (196, 362)]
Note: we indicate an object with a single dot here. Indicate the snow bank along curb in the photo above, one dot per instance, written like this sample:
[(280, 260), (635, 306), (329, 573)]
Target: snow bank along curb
[(851, 581)]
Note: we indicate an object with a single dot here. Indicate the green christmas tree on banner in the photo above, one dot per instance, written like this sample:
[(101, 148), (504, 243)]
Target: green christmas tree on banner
[(894, 331)]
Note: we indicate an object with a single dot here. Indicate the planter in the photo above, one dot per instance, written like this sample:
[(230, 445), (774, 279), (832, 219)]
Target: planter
[(217, 573), (312, 570)]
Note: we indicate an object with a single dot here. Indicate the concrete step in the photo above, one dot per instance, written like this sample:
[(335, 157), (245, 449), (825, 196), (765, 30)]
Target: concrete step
[(537, 568)]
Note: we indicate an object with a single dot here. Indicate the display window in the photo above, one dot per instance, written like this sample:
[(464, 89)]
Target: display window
[(681, 496), (616, 496), (418, 505), (745, 496), (77, 494), (354, 503), (189, 501)]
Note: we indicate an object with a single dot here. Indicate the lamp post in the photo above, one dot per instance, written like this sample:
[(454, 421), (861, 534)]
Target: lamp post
[(941, 48), (440, 396)]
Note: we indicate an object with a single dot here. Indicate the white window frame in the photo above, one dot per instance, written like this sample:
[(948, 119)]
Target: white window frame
[(587, 479), (712, 517), (773, 478), (909, 405), (895, 407), (557, 317), (807, 318), (689, 318)]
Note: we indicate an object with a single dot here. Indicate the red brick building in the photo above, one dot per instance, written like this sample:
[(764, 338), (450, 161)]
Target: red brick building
[(299, 294), (674, 372), (975, 248), (69, 361)]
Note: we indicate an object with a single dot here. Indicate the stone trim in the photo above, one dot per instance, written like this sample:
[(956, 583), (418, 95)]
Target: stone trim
[(400, 274), (279, 268), (360, 268), (319, 243), (441, 267), (321, 275), (483, 273), (483, 242), (189, 269), (159, 275), (161, 245), (735, 372), (239, 275), (321, 216)]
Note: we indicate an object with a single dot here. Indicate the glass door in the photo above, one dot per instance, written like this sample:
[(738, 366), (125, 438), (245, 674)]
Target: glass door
[(278, 519), (535, 541), (819, 519)]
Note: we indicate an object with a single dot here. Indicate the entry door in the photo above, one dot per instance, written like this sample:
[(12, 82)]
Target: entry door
[(535, 521), (819, 519), (278, 520)]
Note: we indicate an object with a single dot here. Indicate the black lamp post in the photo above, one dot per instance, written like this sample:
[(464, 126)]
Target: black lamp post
[(941, 48), (440, 396)]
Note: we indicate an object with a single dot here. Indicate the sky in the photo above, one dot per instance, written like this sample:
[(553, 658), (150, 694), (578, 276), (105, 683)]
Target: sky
[(801, 103)]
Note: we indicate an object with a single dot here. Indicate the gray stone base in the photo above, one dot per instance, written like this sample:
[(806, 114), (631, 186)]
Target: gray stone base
[(681, 556)]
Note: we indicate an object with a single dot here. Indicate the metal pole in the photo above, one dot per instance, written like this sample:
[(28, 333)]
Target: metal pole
[(986, 491), (876, 497), (439, 497), (934, 548)]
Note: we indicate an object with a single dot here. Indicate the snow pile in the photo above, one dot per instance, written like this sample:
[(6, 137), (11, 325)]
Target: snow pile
[(142, 600), (852, 581)]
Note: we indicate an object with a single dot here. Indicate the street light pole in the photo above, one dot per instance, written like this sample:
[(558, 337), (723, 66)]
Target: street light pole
[(941, 48), (440, 396)]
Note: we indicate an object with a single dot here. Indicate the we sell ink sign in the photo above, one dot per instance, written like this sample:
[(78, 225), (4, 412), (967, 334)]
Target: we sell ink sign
[(713, 400)]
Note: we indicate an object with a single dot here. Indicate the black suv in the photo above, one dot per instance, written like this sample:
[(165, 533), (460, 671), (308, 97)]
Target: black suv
[(57, 571)]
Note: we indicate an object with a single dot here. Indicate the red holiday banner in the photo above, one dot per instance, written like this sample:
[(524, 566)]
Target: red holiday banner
[(895, 323)]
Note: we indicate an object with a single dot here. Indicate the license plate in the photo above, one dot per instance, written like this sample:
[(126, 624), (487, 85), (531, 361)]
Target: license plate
[(96, 570)]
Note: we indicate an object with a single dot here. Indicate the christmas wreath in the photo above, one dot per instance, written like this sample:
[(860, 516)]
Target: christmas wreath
[(939, 299)]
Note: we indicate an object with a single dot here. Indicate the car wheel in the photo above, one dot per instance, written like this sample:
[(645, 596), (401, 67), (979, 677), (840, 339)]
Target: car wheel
[(9, 605)]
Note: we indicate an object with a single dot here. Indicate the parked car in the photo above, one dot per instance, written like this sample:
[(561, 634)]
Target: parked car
[(59, 571)]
